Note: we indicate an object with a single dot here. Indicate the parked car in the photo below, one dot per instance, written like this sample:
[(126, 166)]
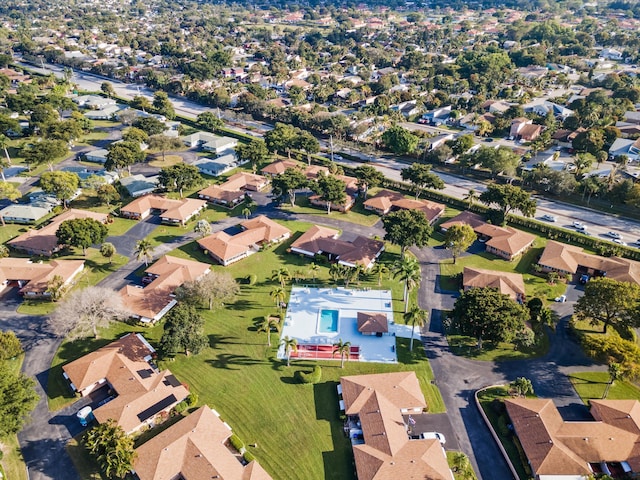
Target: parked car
[(579, 226), (548, 218), (614, 235), (619, 242), (436, 435), (85, 415), (584, 278), (561, 299)]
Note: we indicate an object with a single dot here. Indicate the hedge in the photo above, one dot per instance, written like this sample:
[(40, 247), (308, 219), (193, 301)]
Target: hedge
[(236, 443), (309, 377), (248, 456)]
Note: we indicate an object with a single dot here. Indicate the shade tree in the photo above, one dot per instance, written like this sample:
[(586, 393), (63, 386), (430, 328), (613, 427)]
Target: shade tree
[(421, 177), (178, 177), (331, 190), (508, 198), (458, 238), (368, 177), (183, 331), (288, 182), (81, 232), (112, 448), (609, 302), (407, 228), (63, 185)]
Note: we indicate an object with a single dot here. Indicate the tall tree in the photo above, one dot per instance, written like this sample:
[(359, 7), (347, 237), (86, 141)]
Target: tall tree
[(288, 182), (209, 121), (407, 270), (458, 238), (290, 345), (164, 144), (107, 89), (368, 177), (611, 302), (83, 312), (615, 373), (112, 448), (278, 295), (400, 140), (163, 105), (407, 228), (63, 185), (281, 138), (380, 270), (331, 190), (81, 232), (281, 275), (202, 228), (56, 288), (213, 289), (471, 197), (108, 250), (150, 125), (18, 398), (343, 349), (179, 176), (9, 191), (268, 324), (183, 331), (255, 152), (144, 251), (45, 151), (10, 346), (415, 317), (421, 176), (507, 198), (486, 314), (123, 155), (107, 194)]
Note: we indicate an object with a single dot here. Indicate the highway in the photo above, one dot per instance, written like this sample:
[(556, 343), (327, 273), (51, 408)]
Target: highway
[(598, 224)]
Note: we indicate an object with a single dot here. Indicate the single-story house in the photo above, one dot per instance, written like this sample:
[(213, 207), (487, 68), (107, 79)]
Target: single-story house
[(504, 242), (373, 323), (194, 447), (98, 156), (94, 102), (44, 241), (105, 113), (625, 146), (233, 191), (171, 212), (386, 201), (138, 185), (572, 450), (217, 166), (439, 140), (227, 249), (33, 278), (438, 116), (570, 259), (378, 409), (278, 167), (524, 129), (85, 173), (151, 303), (320, 240), (508, 283), (545, 107), (139, 391), (349, 202), (20, 213), (210, 142)]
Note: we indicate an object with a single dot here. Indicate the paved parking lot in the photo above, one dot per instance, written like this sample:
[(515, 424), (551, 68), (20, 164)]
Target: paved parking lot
[(434, 422)]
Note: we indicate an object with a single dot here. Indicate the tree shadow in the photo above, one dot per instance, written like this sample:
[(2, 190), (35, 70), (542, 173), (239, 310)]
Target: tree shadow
[(242, 305), (228, 361), (215, 340), (48, 458)]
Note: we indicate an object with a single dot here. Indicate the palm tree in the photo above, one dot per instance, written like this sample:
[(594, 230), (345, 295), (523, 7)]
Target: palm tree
[(381, 270), (615, 373), (416, 317), (281, 275), (408, 271), (278, 294), (472, 197), (246, 212), (108, 250), (267, 324), (343, 348), (337, 272), (144, 251), (290, 344), (314, 270)]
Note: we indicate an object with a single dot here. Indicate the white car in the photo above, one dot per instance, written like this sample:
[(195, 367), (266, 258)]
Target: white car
[(619, 242), (561, 299), (548, 218), (434, 435), (579, 226), (614, 235)]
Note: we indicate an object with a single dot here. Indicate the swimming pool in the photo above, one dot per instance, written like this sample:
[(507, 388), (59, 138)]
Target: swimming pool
[(328, 321)]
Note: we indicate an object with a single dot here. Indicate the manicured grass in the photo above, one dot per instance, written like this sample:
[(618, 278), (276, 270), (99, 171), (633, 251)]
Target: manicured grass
[(12, 461), (120, 226), (96, 268), (535, 286), (467, 347), (92, 138), (168, 161), (593, 384), (11, 230), (492, 402), (85, 464), (297, 427), (356, 215), (466, 474)]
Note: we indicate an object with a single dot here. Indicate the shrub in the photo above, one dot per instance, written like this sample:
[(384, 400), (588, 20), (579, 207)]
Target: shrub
[(248, 457), (181, 407), (192, 399), (312, 377), (252, 279), (236, 443)]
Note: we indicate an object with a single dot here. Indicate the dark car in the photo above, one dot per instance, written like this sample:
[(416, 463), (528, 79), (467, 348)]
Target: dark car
[(584, 279)]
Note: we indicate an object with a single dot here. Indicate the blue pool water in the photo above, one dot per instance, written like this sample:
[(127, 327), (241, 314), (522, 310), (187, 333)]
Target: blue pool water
[(328, 321)]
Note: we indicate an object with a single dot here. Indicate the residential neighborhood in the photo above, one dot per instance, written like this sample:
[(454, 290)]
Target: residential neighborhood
[(294, 240)]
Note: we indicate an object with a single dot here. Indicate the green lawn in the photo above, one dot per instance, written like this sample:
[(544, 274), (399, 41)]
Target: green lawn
[(12, 462), (535, 286), (593, 384), (465, 473), (492, 402), (92, 138), (96, 268), (85, 464), (467, 347), (120, 226), (356, 215), (297, 427)]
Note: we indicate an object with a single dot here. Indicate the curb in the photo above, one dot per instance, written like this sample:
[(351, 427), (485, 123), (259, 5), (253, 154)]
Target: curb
[(493, 433)]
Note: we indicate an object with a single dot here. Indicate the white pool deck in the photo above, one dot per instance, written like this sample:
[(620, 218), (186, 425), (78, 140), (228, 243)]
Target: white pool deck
[(303, 309)]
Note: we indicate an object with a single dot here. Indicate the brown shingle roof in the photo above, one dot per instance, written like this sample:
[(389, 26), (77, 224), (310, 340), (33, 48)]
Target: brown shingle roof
[(276, 168), (509, 240), (44, 240), (140, 388), (171, 272), (511, 284), (308, 241), (372, 322), (386, 199), (180, 210), (556, 447), (468, 218), (37, 274), (194, 448), (234, 187)]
